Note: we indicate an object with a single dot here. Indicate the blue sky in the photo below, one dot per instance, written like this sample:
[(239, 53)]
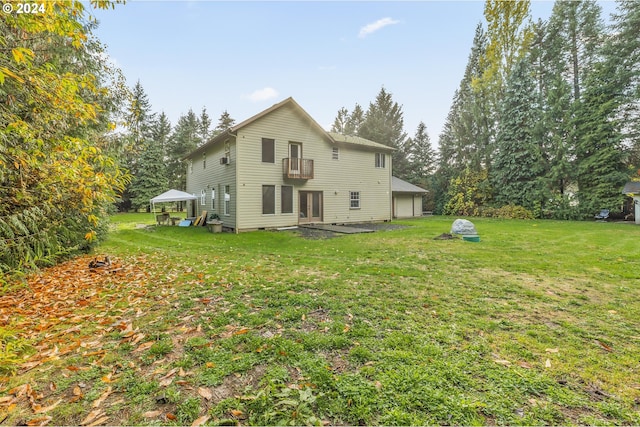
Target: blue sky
[(245, 56)]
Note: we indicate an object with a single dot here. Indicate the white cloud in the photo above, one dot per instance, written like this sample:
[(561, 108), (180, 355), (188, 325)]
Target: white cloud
[(375, 26), (263, 94)]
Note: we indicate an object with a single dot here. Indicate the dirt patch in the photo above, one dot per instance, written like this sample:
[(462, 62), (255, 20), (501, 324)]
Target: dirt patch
[(235, 384)]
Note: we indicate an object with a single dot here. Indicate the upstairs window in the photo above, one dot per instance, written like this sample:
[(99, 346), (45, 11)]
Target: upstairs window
[(204, 160), (335, 153), (380, 160), (268, 150)]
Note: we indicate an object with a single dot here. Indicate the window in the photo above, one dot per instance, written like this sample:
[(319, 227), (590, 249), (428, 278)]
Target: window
[(380, 160), (335, 153), (203, 197), (190, 166), (227, 199), (213, 199), (286, 199), (268, 199), (227, 149), (354, 199), (204, 160), (268, 150)]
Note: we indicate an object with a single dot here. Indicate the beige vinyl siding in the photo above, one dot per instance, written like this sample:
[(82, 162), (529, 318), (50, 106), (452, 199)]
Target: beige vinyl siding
[(354, 171), (214, 177)]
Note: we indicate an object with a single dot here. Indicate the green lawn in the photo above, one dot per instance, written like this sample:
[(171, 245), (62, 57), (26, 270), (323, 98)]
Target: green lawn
[(537, 324)]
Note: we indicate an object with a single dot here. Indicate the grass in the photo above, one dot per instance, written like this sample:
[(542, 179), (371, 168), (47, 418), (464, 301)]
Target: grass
[(536, 324)]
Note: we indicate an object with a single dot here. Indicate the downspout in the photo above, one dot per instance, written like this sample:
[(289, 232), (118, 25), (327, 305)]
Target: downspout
[(237, 198)]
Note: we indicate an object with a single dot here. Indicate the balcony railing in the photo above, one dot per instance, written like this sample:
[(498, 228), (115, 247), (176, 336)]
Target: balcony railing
[(296, 168)]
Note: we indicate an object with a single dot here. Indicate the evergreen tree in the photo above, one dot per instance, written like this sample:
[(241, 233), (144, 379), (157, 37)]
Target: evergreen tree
[(185, 139), (340, 122), (161, 133), (422, 156), (151, 178), (576, 32), (224, 122), (139, 121), (383, 123), (204, 125), (598, 124), (518, 165), (465, 142), (625, 56), (355, 120)]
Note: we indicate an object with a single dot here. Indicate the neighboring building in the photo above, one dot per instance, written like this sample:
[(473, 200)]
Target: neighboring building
[(279, 168), (632, 189), (407, 199)]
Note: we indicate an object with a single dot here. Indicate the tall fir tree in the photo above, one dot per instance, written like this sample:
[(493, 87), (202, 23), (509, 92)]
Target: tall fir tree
[(465, 141), (204, 126), (139, 121), (340, 122), (225, 121), (422, 156), (383, 123), (355, 120), (625, 56), (186, 137), (518, 165)]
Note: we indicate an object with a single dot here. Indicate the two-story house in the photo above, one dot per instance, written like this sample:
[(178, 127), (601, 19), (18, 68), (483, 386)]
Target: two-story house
[(279, 168)]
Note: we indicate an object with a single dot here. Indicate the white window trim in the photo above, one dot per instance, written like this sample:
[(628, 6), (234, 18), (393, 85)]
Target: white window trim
[(380, 160), (293, 204), (335, 153), (203, 198), (227, 200), (213, 199), (352, 199)]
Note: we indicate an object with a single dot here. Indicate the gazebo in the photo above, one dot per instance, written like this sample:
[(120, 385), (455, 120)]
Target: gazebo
[(171, 196)]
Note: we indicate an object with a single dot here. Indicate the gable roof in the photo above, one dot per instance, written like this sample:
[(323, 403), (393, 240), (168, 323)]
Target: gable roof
[(332, 137), (358, 141), (400, 186), (173, 196), (631, 187)]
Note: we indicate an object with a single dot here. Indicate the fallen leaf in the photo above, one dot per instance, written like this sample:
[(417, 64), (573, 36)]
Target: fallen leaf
[(77, 391), (547, 363), (502, 362), (99, 401), (241, 331), (199, 421), (170, 416), (236, 413), (43, 421), (604, 346), (143, 346), (552, 350), (152, 414), (524, 365), (47, 408), (205, 392), (92, 416), (165, 382)]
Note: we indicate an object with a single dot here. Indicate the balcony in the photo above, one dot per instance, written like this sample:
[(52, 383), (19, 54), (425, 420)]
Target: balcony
[(295, 168)]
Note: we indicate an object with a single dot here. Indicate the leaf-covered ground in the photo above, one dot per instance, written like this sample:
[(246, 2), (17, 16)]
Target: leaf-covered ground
[(536, 324)]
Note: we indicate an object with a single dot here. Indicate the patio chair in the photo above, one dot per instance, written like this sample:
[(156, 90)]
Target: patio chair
[(604, 214)]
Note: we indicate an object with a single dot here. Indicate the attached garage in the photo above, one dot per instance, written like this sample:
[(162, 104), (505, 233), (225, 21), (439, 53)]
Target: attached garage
[(407, 199)]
